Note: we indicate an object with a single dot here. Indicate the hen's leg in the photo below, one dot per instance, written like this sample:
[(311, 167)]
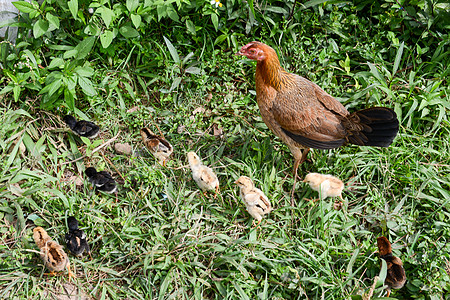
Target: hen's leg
[(297, 162)]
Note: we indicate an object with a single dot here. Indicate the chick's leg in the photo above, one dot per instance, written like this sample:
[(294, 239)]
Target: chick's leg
[(388, 293), (216, 192), (70, 272)]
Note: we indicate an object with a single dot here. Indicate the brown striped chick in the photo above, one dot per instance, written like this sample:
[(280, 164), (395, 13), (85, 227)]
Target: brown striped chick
[(52, 253), (395, 277), (326, 185), (256, 202), (204, 176), (157, 145)]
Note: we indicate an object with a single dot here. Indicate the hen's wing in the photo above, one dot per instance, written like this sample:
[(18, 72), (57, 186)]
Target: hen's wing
[(309, 115)]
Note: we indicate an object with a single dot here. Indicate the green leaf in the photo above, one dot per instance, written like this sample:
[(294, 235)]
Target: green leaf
[(243, 295), (107, 15), (16, 90), (40, 28), (333, 45), (132, 5), (171, 12), (215, 21), (397, 60), (69, 98), (56, 62), (128, 31), (277, 9), (106, 38), (165, 285), (54, 86), (312, 3), (173, 51), (191, 27), (376, 74), (176, 82), (52, 20), (70, 53), (6, 89), (85, 47), (136, 19), (86, 86), (25, 7), (347, 64), (73, 7), (194, 70), (383, 271), (84, 71)]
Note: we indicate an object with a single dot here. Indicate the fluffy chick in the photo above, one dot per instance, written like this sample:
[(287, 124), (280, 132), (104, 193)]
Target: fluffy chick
[(157, 145), (102, 180), (82, 128), (52, 254), (204, 176), (76, 238), (395, 277), (326, 185), (256, 202)]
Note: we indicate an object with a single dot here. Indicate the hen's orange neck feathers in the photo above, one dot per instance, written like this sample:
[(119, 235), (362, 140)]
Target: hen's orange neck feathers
[(270, 71)]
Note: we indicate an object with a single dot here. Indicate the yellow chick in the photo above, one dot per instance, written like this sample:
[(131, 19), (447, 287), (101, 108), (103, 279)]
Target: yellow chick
[(326, 185), (256, 202), (204, 176), (157, 145), (52, 253)]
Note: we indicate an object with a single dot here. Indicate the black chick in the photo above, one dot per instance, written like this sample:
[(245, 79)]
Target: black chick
[(82, 128), (102, 180), (76, 238), (395, 277)]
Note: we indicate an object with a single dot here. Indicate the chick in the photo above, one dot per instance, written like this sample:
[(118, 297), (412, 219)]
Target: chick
[(157, 145), (256, 202), (395, 277), (326, 185), (82, 128), (102, 180), (76, 238), (53, 255), (204, 176)]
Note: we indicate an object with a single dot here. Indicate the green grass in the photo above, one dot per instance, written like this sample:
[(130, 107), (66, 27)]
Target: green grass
[(163, 239), (191, 246)]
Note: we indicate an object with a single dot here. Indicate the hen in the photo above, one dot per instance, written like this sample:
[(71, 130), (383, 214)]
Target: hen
[(395, 277), (304, 116)]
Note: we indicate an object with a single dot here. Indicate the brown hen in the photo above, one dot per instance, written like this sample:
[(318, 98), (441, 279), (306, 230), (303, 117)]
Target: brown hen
[(305, 116)]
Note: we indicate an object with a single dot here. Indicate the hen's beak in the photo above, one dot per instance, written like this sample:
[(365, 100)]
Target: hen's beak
[(239, 53)]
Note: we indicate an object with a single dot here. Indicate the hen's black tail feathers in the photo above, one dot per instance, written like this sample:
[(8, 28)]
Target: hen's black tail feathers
[(376, 126), (380, 127)]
